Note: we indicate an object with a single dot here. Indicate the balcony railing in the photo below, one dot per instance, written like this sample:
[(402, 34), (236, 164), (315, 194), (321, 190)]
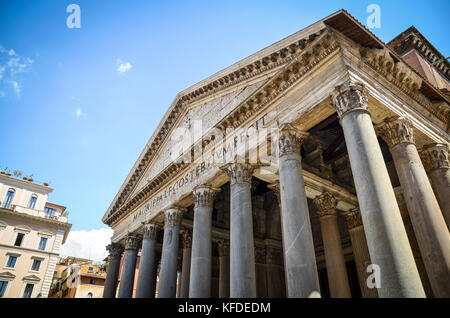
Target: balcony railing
[(38, 213)]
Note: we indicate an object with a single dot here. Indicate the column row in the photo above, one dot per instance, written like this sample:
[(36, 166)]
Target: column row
[(379, 223)]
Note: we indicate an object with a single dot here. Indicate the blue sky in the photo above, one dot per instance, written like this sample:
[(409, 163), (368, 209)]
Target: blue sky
[(70, 117)]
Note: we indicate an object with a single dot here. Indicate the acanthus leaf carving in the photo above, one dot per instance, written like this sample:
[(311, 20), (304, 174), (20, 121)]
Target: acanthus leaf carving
[(348, 97), (435, 156), (290, 139), (131, 242), (150, 231), (325, 204), (173, 216), (353, 218), (395, 130), (115, 249), (204, 195)]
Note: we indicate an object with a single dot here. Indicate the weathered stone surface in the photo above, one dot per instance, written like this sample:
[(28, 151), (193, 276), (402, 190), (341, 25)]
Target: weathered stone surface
[(145, 284), (169, 257), (200, 280), (186, 267), (300, 260), (360, 251), (128, 267), (386, 236), (242, 255), (429, 225), (115, 253), (435, 159), (334, 255)]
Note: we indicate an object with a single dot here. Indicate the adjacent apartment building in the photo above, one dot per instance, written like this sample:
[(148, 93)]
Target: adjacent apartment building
[(78, 278), (31, 233)]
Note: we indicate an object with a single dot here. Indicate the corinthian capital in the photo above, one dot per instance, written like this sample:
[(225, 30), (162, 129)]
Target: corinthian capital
[(325, 204), (186, 238), (150, 231), (173, 216), (131, 242), (223, 247), (290, 139), (239, 172), (349, 97), (395, 130), (353, 218), (435, 156), (204, 195), (114, 249)]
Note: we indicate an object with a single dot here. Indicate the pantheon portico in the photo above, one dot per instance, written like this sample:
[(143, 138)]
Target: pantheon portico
[(317, 167)]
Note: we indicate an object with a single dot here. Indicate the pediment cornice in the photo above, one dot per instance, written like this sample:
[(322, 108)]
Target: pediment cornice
[(405, 78), (312, 50), (293, 60), (266, 63)]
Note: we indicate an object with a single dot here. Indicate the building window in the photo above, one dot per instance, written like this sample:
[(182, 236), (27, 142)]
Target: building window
[(89, 295), (92, 281), (49, 212), (19, 239), (32, 202), (28, 291), (8, 198), (36, 265), (11, 261), (90, 269), (3, 285), (42, 243)]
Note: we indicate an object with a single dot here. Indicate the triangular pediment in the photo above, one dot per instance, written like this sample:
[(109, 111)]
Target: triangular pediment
[(232, 93), (7, 276), (235, 83), (200, 117), (31, 278)]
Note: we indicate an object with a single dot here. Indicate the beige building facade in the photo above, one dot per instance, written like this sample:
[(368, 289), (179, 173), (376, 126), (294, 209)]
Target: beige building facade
[(78, 278), (317, 167), (31, 233)]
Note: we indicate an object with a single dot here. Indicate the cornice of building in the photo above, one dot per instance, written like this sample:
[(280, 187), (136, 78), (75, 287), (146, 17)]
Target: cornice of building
[(297, 59), (25, 183), (61, 225), (413, 39)]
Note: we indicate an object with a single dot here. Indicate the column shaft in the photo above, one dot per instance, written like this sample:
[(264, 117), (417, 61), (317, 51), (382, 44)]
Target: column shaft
[(186, 266), (426, 217), (115, 252), (200, 281), (145, 285), (224, 269), (128, 267), (334, 255), (242, 254), (169, 257), (386, 236), (299, 256), (360, 251), (435, 159)]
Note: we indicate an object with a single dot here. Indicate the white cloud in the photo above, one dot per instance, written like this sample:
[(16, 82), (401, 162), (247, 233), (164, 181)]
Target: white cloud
[(87, 244), (16, 87), (12, 64), (123, 66), (79, 112)]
